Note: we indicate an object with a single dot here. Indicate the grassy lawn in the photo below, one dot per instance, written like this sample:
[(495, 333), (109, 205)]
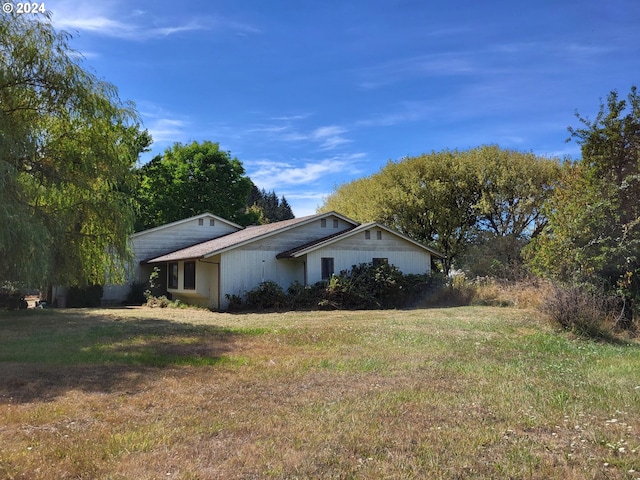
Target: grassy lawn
[(469, 392)]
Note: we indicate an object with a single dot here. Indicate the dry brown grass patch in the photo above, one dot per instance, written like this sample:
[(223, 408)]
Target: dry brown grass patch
[(476, 392)]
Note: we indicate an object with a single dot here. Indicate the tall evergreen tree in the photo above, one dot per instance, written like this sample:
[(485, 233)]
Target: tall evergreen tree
[(270, 208), (284, 210)]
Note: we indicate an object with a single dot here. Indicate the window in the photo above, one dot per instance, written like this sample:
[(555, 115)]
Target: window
[(367, 234), (212, 222), (189, 282), (379, 234), (380, 261), (335, 224), (327, 267), (173, 275), (323, 222), (200, 221)]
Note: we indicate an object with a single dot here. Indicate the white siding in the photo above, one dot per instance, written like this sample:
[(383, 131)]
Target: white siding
[(147, 245), (243, 269), (298, 235), (354, 250), (155, 242)]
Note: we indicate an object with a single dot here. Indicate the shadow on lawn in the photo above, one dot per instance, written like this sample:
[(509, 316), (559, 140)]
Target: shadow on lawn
[(43, 355)]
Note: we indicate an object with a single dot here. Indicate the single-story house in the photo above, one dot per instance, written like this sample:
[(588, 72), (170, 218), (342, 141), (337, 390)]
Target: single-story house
[(204, 258)]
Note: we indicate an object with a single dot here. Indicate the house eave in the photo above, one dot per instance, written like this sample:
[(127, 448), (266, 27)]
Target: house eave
[(185, 220), (311, 218), (300, 252)]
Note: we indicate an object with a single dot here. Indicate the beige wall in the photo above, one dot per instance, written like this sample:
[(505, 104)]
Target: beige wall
[(206, 293)]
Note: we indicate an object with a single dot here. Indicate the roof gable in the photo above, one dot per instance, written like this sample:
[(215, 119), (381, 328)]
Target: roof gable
[(311, 246), (248, 235), (203, 216)]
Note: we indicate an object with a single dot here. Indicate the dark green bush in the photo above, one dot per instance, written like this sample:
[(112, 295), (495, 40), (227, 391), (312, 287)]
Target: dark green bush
[(268, 295), (364, 286), (137, 293), (235, 303), (301, 297), (81, 297)]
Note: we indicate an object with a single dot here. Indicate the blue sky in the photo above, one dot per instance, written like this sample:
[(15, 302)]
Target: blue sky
[(311, 94)]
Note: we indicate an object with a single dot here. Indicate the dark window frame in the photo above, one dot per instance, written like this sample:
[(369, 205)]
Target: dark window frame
[(189, 277), (377, 261), (327, 267), (172, 275)]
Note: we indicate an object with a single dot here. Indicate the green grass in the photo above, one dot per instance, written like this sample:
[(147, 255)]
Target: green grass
[(471, 392)]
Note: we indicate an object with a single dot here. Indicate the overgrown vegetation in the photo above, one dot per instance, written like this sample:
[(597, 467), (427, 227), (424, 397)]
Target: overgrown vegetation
[(583, 310), (593, 236), (364, 286)]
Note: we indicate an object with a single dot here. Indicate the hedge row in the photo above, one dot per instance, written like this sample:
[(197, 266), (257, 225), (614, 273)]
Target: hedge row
[(364, 286)]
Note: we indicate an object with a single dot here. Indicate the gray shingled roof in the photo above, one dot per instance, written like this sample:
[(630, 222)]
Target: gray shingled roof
[(293, 251), (250, 234), (217, 245)]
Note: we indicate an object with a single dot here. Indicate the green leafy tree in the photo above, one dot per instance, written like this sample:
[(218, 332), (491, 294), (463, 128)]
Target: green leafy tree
[(68, 145), (361, 199), (456, 201), (593, 235), (431, 198), (514, 187), (191, 179)]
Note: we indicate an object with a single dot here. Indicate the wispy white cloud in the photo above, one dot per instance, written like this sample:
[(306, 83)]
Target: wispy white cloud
[(117, 19), (402, 113), (290, 118), (165, 127), (167, 130), (441, 64), (270, 175), (327, 137), (491, 60), (327, 132)]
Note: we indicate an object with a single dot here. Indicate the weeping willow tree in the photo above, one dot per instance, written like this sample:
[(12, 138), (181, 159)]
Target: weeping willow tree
[(68, 146)]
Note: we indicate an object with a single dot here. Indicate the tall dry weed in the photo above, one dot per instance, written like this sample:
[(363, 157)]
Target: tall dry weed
[(524, 293), (584, 312)]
